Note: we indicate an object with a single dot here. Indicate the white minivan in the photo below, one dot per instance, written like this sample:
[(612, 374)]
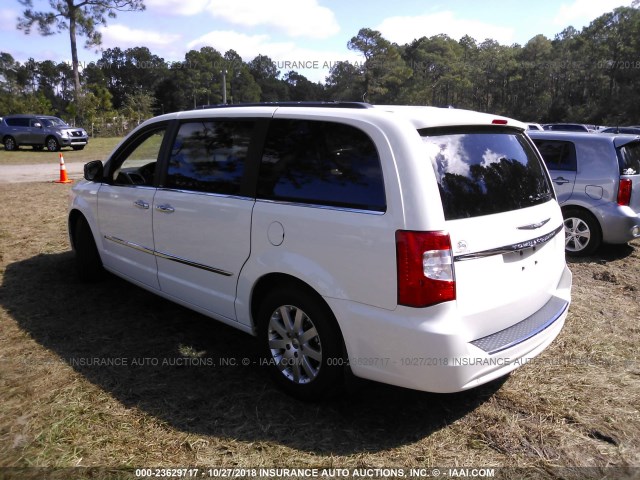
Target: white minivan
[(415, 246)]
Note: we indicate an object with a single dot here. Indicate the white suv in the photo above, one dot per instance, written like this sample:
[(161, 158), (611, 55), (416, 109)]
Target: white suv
[(415, 246)]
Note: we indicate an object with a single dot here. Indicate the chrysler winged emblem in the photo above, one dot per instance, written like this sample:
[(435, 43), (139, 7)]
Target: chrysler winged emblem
[(534, 226)]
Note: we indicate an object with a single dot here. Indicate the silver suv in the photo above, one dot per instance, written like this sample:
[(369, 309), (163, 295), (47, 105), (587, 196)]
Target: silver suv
[(40, 132), (597, 181)]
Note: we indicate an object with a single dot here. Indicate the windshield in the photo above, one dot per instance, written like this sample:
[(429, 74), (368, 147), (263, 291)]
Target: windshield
[(53, 122), (482, 171), (629, 159)]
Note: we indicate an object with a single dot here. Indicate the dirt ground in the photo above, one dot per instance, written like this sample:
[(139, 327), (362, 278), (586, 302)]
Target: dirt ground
[(39, 172), (110, 376)]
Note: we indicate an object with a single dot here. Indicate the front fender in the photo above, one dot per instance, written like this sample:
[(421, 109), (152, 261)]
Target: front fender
[(83, 200)]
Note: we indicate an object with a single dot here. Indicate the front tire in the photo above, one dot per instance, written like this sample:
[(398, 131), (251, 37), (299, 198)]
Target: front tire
[(301, 343), (88, 262), (52, 144), (582, 232), (10, 144)]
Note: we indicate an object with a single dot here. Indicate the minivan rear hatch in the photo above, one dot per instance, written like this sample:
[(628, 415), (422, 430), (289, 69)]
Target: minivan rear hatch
[(505, 226)]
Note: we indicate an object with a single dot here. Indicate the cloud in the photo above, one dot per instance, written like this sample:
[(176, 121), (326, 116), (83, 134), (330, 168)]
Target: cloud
[(8, 19), (296, 18), (247, 46), (286, 55), (177, 7), (406, 29), (581, 10), (447, 154), (118, 35), (489, 157)]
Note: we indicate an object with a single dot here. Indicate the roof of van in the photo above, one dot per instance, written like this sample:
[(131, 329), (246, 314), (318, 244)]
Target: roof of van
[(427, 117), (419, 116)]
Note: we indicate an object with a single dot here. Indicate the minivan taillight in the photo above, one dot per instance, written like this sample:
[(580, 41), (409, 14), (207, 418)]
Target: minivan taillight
[(425, 268), (624, 192)]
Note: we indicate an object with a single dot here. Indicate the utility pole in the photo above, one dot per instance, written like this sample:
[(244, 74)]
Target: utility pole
[(224, 86)]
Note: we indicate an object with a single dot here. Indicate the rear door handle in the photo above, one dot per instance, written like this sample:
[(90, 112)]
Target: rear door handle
[(165, 208), (561, 180), (141, 204)]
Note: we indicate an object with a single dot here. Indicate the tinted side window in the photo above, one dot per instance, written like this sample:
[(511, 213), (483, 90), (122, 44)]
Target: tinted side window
[(322, 163), (629, 159), (210, 156), (558, 154), (18, 122), (485, 171)]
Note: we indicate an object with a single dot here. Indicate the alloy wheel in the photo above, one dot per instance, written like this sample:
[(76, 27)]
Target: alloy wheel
[(577, 234), (294, 344)]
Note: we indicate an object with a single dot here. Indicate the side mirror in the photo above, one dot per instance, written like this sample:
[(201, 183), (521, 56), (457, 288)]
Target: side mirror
[(94, 171), (37, 125)]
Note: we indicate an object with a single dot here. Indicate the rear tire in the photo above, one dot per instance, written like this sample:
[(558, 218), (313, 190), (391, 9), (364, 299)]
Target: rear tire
[(10, 144), (582, 231), (301, 343), (88, 262)]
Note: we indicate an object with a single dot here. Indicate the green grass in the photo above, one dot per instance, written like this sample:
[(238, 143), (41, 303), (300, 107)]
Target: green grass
[(576, 406), (97, 149)]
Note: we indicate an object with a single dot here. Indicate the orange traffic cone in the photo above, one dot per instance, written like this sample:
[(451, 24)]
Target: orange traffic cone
[(63, 172)]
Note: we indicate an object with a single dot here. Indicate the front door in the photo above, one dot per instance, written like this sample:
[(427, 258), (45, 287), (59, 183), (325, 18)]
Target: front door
[(125, 213)]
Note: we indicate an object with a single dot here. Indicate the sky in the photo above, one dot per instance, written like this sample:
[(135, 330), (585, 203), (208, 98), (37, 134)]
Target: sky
[(308, 33)]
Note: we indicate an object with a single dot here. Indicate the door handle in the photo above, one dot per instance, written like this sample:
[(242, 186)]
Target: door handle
[(560, 180), (165, 208), (141, 204)]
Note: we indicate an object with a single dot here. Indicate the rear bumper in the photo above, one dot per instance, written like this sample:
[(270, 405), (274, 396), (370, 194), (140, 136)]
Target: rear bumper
[(619, 224), (433, 353)]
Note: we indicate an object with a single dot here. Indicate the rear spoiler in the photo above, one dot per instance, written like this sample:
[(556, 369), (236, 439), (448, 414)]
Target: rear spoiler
[(623, 139)]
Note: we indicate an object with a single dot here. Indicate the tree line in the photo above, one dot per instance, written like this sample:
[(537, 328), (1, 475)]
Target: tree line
[(588, 76)]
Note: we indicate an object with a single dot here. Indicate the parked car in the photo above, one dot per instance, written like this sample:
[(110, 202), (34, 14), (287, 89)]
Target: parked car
[(630, 130), (415, 246), (40, 132), (565, 127), (597, 181)]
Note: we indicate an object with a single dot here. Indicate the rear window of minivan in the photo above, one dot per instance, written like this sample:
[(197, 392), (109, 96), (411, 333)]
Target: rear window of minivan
[(629, 158), (483, 171)]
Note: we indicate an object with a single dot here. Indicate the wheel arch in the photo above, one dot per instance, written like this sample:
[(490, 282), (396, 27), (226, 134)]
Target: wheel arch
[(583, 210), (597, 233), (333, 344), (271, 281), (49, 137), (74, 216), (4, 139)]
